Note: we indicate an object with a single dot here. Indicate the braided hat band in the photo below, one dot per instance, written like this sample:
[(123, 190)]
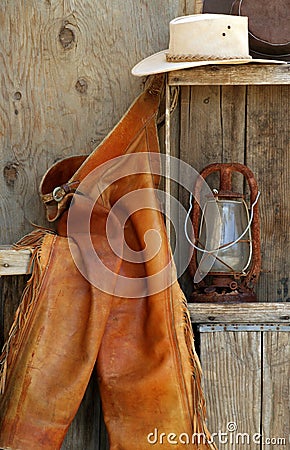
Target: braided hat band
[(192, 58)]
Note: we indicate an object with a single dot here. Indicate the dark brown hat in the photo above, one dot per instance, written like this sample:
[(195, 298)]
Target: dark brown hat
[(269, 31)]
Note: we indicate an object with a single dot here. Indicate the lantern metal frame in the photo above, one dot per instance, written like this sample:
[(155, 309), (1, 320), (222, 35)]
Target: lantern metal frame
[(231, 286)]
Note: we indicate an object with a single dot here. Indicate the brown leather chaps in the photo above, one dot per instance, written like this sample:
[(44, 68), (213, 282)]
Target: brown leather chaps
[(100, 297)]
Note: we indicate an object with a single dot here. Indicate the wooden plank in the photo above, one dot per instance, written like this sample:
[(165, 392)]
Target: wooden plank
[(200, 117), (231, 74), (11, 290), (202, 128), (211, 130), (67, 99), (240, 313), (266, 149), (233, 107), (262, 327), (276, 390), (184, 150), (93, 436), (198, 6), (14, 262), (212, 125), (268, 155), (231, 364)]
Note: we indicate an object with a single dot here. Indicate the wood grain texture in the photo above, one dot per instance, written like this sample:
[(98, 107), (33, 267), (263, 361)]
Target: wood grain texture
[(224, 74), (88, 430), (246, 381), (211, 130), (201, 132), (198, 6), (200, 141), (248, 125), (66, 81), (231, 364), (276, 389), (212, 125), (233, 107), (14, 262), (268, 155), (244, 313), (11, 290)]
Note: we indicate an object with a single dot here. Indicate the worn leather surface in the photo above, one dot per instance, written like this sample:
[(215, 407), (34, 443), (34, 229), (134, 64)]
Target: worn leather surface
[(54, 361), (217, 7), (142, 346), (269, 32)]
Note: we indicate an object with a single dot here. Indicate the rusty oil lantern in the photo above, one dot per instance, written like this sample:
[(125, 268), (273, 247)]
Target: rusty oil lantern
[(225, 263)]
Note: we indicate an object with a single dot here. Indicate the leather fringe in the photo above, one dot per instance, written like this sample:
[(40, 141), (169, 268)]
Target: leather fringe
[(32, 242), (199, 413)]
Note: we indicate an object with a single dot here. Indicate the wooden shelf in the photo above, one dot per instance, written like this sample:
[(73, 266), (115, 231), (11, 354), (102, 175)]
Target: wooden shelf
[(250, 313), (14, 262), (232, 135), (224, 74)]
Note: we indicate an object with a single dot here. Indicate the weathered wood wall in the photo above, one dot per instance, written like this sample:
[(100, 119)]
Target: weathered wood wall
[(249, 125), (246, 380), (245, 355), (65, 82)]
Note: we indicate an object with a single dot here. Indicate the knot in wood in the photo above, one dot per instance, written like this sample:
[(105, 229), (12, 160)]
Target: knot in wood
[(17, 95), (66, 37), (10, 173), (81, 85)]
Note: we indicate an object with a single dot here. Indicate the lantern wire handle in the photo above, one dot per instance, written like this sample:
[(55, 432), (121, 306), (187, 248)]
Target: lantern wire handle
[(223, 247)]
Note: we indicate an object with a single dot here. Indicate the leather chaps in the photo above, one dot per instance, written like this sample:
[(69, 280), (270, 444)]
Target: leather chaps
[(102, 300)]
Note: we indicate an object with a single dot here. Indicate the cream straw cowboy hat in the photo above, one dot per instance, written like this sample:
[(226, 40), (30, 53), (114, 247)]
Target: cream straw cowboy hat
[(199, 40)]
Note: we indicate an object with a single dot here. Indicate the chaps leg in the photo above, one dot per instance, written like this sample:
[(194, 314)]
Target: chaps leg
[(53, 353), (148, 371)]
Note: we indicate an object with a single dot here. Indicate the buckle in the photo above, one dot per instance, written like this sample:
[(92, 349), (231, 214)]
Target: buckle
[(58, 194)]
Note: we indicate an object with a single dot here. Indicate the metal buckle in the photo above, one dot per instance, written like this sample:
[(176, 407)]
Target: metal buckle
[(58, 194)]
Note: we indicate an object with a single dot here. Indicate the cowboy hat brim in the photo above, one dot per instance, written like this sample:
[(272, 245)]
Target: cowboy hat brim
[(157, 63)]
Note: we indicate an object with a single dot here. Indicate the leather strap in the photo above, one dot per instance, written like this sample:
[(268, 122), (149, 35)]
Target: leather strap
[(60, 192)]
